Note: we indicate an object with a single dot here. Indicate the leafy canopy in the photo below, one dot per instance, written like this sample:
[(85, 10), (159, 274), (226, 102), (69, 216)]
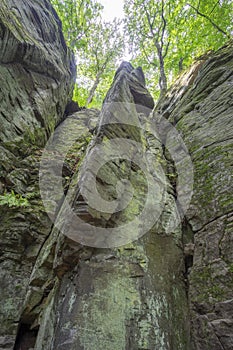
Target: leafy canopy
[(77, 17), (97, 44), (168, 35), (163, 36)]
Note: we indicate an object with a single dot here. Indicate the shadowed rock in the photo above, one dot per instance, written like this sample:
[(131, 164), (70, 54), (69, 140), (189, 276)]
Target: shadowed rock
[(37, 74)]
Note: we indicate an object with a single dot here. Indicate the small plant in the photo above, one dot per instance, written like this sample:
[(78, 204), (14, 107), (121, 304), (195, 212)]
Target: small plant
[(12, 199)]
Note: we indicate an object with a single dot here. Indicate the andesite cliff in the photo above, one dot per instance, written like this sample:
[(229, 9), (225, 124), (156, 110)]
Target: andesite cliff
[(125, 241)]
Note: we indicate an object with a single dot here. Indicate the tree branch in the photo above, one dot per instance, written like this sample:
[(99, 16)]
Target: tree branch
[(210, 20), (166, 50), (153, 21), (214, 7), (164, 24), (147, 57), (97, 60), (149, 21)]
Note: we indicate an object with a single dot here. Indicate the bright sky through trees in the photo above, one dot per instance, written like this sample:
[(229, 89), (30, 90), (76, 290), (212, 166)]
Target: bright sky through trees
[(112, 8), (163, 37)]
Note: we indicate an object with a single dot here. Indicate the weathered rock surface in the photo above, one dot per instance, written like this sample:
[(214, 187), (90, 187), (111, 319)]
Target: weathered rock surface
[(36, 81), (69, 286), (201, 107), (104, 297)]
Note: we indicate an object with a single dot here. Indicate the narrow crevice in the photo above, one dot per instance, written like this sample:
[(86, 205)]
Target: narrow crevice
[(26, 337), (217, 142), (213, 220), (218, 337), (188, 248)]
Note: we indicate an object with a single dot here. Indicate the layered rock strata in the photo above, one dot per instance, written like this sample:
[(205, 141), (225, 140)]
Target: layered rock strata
[(37, 73)]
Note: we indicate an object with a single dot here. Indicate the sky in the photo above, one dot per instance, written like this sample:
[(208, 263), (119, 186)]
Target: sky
[(112, 8)]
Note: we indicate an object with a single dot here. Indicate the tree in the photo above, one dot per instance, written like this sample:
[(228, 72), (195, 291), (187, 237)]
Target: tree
[(167, 35), (97, 46), (149, 19), (105, 47), (77, 17)]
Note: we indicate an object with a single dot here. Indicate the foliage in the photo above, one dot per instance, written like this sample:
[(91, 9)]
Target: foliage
[(165, 36), (11, 199), (98, 45), (77, 17), (98, 63)]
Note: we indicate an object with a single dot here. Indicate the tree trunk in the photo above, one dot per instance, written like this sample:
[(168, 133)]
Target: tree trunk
[(162, 78), (93, 88)]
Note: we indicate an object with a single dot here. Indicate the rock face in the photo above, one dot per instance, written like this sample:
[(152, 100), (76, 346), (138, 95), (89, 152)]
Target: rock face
[(36, 81), (125, 261), (109, 296), (200, 105)]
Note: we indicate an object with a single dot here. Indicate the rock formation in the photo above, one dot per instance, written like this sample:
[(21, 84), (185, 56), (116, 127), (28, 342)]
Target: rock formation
[(36, 82), (200, 105), (107, 295), (137, 250)]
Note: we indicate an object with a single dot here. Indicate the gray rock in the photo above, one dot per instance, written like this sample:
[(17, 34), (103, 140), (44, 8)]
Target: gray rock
[(72, 287), (200, 105), (109, 297), (37, 74)]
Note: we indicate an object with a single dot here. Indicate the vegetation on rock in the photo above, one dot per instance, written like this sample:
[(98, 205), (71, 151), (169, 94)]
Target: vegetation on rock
[(11, 199)]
